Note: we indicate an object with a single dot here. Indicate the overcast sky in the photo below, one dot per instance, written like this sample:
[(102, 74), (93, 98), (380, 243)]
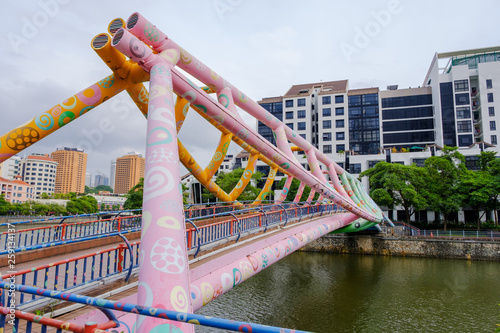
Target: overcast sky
[(261, 47)]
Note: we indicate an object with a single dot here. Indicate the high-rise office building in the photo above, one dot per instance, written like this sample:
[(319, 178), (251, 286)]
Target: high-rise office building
[(112, 173), (39, 170), (88, 179), (71, 170), (129, 170), (101, 179)]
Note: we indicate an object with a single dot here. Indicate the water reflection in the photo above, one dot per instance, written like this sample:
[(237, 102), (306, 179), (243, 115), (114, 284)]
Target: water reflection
[(348, 293)]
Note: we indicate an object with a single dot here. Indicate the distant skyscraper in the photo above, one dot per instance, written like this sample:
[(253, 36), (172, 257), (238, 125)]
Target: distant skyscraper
[(71, 173), (129, 169), (112, 173), (39, 170), (88, 179), (101, 180)]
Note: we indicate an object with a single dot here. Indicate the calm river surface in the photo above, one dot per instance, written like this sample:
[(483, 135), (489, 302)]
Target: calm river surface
[(350, 293)]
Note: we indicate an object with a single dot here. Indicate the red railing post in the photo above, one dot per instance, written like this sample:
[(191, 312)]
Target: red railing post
[(63, 231), (121, 257), (260, 220), (90, 327), (189, 241)]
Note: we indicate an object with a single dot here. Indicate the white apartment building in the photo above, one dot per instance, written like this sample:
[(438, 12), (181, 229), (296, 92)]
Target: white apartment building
[(10, 168), (39, 170), (457, 105)]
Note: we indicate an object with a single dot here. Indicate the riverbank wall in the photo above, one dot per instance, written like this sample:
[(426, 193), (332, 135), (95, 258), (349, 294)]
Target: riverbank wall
[(407, 247)]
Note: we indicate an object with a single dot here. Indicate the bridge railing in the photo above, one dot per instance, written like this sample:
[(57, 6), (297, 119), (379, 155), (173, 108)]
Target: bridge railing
[(29, 323), (69, 231), (72, 273), (15, 318), (252, 219), (76, 272), (462, 234)]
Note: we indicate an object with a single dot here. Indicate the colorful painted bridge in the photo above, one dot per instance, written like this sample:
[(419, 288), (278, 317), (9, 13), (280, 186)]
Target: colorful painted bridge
[(169, 287)]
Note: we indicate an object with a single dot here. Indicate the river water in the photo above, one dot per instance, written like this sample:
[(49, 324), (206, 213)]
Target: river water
[(349, 293)]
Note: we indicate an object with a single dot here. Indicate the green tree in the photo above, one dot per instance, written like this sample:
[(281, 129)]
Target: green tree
[(99, 188), (294, 187), (228, 181), (83, 205), (88, 190), (443, 174), (393, 185), (103, 206), (134, 196), (185, 193), (4, 205)]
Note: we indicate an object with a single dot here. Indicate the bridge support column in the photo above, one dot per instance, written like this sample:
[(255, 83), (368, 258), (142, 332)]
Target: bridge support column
[(164, 269)]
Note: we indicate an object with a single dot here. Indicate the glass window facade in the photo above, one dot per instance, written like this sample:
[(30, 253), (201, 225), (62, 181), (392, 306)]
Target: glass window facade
[(465, 140), (364, 117), (447, 114), (355, 168), (493, 125), (418, 112), (340, 148), (327, 136), (371, 164), (289, 115), (464, 126), (301, 126), (339, 111), (327, 112), (407, 125), (394, 102), (493, 139), (461, 85), (340, 135), (289, 103), (408, 137), (276, 109), (420, 162), (463, 112), (327, 124), (339, 99), (490, 98), (327, 100), (491, 111), (339, 123), (301, 114), (301, 102), (472, 162), (462, 99), (489, 84), (327, 149), (290, 125)]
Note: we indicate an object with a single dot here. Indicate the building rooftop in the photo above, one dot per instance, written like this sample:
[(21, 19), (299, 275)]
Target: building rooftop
[(243, 153), (469, 52), (41, 158), (327, 87), (271, 100), (70, 149), (364, 91)]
